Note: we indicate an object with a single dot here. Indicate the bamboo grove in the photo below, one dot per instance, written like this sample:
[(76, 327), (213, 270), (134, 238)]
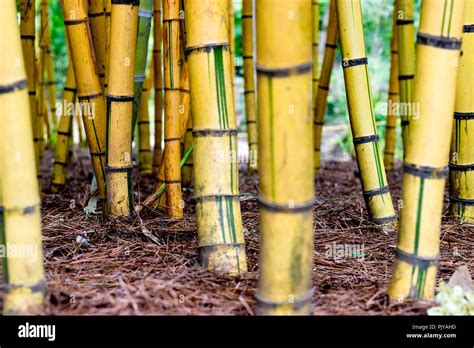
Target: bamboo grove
[(121, 53)]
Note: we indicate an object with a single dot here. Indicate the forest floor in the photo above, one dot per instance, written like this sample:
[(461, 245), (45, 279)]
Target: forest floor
[(149, 267)]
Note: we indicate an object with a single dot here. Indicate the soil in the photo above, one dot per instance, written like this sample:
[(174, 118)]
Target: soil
[(149, 266)]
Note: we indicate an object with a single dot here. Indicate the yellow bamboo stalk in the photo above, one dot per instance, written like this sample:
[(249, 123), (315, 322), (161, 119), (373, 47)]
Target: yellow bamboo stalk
[(42, 116), (323, 84), (285, 127), (108, 12), (426, 160), (120, 98), (144, 149), (157, 59), (172, 139), (359, 100), (221, 239), (61, 159), (28, 37), (249, 80), (80, 130), (97, 20), (89, 90), (391, 124), (462, 146), (20, 226), (315, 38), (406, 61)]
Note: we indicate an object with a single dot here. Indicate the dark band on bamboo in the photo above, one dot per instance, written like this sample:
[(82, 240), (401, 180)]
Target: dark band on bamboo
[(438, 41), (172, 181), (143, 122), (248, 92), (69, 89), (464, 115), (90, 96), (248, 57), (461, 167), (376, 192), (333, 46), (208, 47), (383, 220), (251, 121), (405, 123), (97, 154), (296, 303), (404, 21), (415, 260), (390, 127), (97, 14), (144, 150), (172, 139), (69, 22), (287, 208), (426, 172), (31, 209), (318, 123), (125, 169), (200, 199), (120, 98), (393, 93), (405, 77), (285, 72), (389, 152), (32, 93), (38, 287), (468, 28), (247, 16), (126, 2), (367, 139), (349, 63), (28, 37), (326, 88), (462, 201), (214, 132), (13, 87), (60, 163), (68, 134)]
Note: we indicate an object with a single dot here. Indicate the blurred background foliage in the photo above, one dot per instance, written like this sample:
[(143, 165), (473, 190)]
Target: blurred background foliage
[(377, 17)]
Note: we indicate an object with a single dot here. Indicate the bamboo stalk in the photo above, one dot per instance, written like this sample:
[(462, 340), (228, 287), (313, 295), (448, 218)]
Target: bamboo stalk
[(391, 124), (49, 67), (187, 169), (97, 20), (249, 81), (220, 230), (28, 37), (232, 42), (171, 31), (315, 40), (145, 16), (89, 90), (462, 146), (406, 61), (157, 59), (438, 46), (144, 149), (323, 84), (285, 127), (120, 98), (58, 179), (20, 226), (108, 13), (364, 131), (42, 117)]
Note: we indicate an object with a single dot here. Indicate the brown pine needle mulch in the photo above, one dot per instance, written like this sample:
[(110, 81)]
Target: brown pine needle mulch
[(149, 266)]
